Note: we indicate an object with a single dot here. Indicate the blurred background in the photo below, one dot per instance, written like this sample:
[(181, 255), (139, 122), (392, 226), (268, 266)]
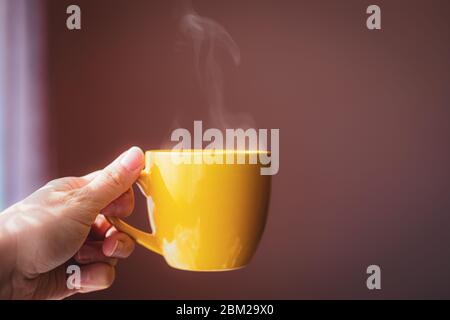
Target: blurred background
[(363, 117)]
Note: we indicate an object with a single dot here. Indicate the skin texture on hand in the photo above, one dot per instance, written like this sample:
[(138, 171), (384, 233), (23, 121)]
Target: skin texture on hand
[(62, 224)]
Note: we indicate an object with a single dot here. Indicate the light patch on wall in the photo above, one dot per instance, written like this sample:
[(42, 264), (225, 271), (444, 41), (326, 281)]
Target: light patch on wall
[(2, 100), (23, 101)]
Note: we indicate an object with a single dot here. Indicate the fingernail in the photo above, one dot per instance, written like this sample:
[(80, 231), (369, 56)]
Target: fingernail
[(111, 252), (118, 246), (133, 159)]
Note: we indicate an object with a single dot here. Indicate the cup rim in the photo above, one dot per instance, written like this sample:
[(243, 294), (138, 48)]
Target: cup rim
[(207, 151)]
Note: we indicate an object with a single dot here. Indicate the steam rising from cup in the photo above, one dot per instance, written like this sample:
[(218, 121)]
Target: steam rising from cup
[(209, 39)]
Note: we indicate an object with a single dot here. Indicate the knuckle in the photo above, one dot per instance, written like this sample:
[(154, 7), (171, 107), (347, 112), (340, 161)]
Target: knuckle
[(82, 199), (80, 196), (74, 197), (114, 178), (53, 182)]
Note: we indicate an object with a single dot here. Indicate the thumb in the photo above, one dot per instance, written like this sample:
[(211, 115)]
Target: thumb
[(115, 179)]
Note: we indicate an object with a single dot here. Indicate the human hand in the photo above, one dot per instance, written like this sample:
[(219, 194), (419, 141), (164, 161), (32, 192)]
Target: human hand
[(60, 224)]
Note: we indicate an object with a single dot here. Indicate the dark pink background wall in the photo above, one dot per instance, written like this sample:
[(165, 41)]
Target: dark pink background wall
[(364, 125)]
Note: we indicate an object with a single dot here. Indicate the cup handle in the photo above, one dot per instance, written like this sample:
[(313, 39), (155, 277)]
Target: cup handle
[(145, 239)]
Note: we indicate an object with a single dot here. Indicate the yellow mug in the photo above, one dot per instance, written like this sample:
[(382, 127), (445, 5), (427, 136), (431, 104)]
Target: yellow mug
[(204, 217)]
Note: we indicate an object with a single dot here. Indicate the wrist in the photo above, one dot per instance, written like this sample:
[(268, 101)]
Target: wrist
[(15, 281), (14, 284), (8, 246)]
